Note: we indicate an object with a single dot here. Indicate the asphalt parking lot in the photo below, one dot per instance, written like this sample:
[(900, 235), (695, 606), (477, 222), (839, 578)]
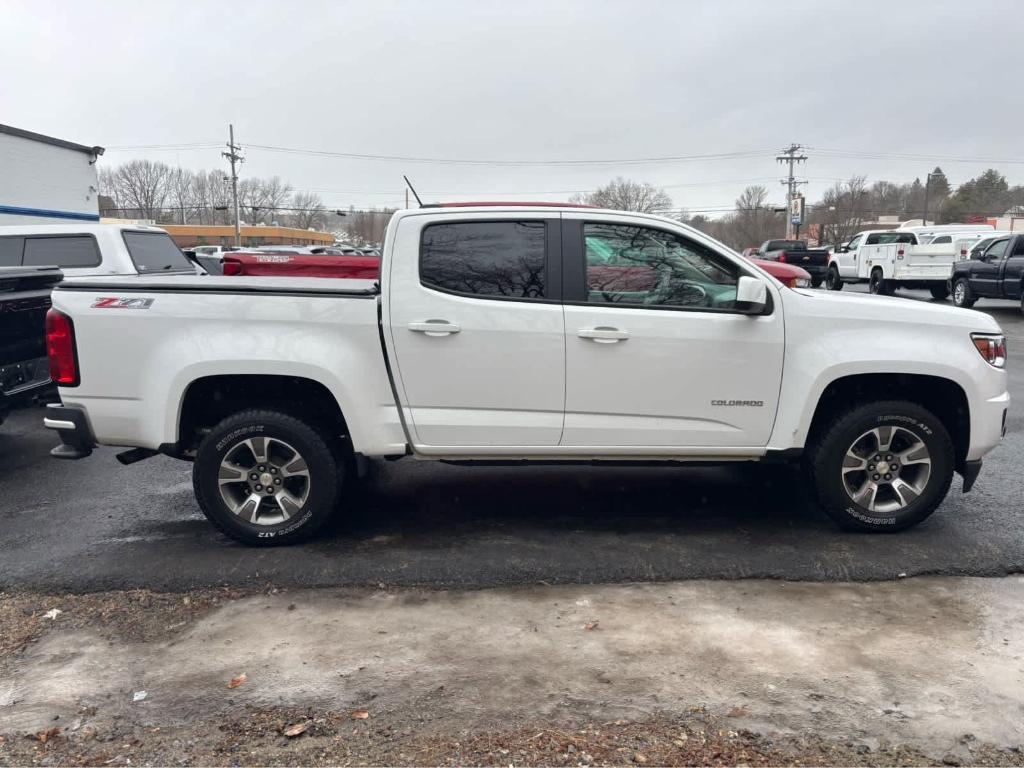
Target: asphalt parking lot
[(94, 525)]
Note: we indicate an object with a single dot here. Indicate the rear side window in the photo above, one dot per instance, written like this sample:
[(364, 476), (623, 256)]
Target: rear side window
[(155, 252), (10, 251), (504, 259), (942, 239), (1018, 247), (68, 251)]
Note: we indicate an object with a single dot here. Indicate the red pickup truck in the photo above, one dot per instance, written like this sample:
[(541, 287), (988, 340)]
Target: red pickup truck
[(301, 265), (368, 267)]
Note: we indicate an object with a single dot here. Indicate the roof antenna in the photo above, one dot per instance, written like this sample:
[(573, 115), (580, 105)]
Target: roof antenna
[(413, 190)]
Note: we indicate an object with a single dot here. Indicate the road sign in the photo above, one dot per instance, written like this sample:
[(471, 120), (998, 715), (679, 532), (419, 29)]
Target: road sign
[(796, 209)]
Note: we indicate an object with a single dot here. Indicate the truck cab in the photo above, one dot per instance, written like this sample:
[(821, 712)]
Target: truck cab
[(995, 270)]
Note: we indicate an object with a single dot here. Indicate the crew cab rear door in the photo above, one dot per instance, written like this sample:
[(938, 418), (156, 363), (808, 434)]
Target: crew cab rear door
[(657, 358), (477, 330)]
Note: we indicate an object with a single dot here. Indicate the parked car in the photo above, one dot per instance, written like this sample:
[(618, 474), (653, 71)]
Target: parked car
[(814, 260), (93, 249), (789, 275), (995, 270), (526, 333), (24, 301)]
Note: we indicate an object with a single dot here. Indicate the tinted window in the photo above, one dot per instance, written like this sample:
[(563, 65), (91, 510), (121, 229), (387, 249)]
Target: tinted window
[(942, 239), (493, 258), (1018, 247), (155, 252), (650, 267), (786, 245), (10, 251), (75, 251), (997, 249)]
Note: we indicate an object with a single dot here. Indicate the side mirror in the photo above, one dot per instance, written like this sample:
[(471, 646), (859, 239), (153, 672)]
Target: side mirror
[(751, 295)]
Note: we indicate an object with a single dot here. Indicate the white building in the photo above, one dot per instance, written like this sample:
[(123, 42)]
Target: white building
[(44, 180)]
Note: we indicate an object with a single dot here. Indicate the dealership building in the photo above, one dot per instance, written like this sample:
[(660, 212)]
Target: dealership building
[(45, 180)]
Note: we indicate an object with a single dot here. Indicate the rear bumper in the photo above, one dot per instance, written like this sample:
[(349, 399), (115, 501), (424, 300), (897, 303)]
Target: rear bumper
[(21, 382), (814, 270), (71, 424)]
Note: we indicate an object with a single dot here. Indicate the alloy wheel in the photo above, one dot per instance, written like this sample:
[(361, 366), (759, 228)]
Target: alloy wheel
[(886, 469), (263, 480)]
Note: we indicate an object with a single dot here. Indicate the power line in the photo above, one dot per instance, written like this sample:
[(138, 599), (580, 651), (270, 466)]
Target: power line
[(495, 162), (871, 155)]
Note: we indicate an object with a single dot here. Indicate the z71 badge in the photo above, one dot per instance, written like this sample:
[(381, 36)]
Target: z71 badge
[(113, 302)]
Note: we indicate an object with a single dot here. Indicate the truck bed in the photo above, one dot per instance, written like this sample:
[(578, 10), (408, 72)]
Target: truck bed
[(24, 300)]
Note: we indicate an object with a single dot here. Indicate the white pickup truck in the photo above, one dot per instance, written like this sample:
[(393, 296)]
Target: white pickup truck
[(525, 333), (911, 257)]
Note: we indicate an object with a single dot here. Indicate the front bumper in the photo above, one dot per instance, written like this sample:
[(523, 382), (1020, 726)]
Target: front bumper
[(76, 436)]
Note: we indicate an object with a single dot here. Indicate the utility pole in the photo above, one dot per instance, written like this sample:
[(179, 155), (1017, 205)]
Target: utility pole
[(792, 157), (234, 158)]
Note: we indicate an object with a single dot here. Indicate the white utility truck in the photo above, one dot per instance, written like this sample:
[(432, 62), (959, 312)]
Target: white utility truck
[(529, 332), (911, 257)]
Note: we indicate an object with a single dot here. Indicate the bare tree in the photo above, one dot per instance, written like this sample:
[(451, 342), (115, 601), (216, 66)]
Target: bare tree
[(626, 195), (181, 192), (308, 211), (141, 188)]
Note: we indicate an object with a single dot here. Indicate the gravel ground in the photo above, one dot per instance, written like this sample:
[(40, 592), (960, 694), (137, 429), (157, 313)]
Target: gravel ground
[(438, 709), (258, 737)]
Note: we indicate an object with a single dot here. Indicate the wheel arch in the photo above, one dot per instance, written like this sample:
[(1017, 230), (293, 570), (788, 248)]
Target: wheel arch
[(943, 397), (207, 400)]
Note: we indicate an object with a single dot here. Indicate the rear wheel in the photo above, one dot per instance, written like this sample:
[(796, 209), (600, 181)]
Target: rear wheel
[(882, 466), (266, 478), (940, 292), (963, 296), (817, 281), (832, 280), (878, 285)]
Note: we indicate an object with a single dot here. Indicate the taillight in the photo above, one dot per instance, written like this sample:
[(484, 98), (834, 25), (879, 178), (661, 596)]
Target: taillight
[(963, 254), (782, 256), (899, 254), (60, 347), (232, 268), (992, 347)]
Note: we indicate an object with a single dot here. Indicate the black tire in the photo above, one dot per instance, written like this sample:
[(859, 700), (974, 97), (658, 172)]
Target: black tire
[(963, 296), (817, 281), (828, 450), (879, 286), (325, 477), (832, 280), (940, 292)]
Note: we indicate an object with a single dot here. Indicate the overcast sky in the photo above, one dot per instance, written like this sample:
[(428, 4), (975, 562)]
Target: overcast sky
[(524, 81)]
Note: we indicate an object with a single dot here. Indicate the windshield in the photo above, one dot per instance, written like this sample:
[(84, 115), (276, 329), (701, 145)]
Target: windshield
[(156, 252)]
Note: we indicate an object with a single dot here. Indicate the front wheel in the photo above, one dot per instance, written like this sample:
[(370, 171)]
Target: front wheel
[(940, 292), (832, 280), (882, 466), (963, 296), (266, 478)]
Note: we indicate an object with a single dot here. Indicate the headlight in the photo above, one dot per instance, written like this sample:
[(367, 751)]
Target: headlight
[(801, 283), (992, 347)]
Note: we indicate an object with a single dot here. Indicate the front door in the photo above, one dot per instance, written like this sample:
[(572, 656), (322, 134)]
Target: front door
[(477, 331), (985, 272), (658, 360), (847, 261)]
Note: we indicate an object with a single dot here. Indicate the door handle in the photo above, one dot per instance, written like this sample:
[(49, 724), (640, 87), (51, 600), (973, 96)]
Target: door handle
[(435, 328), (603, 334)]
